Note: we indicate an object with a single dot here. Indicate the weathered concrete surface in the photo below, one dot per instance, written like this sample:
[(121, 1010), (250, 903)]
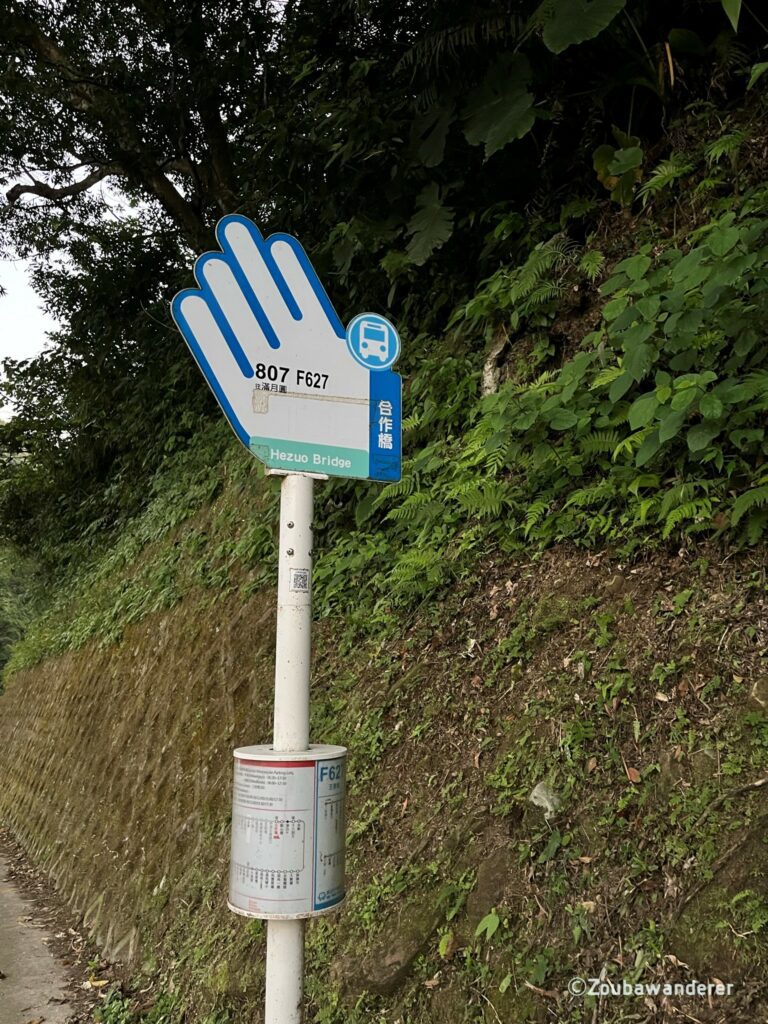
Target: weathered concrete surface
[(32, 982)]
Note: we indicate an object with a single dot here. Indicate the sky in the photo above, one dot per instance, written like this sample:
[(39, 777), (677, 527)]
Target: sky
[(23, 324)]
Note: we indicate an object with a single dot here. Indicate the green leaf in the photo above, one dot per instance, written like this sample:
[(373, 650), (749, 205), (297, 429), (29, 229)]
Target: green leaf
[(670, 425), (430, 132), (685, 267), (638, 361), (642, 410), (682, 400), (620, 386), (625, 160), (431, 226), (648, 449), (364, 508), (700, 436), (634, 267), (506, 981), (648, 307), (563, 419), (553, 845), (733, 9), (758, 70), (488, 926), (710, 407), (445, 943), (636, 334), (567, 22), (499, 110), (722, 240), (684, 41), (614, 307)]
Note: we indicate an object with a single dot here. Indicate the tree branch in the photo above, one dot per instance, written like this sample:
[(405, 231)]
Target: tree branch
[(40, 188), (85, 95), (190, 39)]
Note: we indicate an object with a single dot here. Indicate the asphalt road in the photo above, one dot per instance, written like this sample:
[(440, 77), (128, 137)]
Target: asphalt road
[(32, 982)]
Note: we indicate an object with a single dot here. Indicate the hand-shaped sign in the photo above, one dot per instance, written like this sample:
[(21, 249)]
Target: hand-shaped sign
[(301, 393)]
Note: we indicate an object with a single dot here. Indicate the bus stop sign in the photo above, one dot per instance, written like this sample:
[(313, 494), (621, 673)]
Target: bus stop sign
[(301, 393)]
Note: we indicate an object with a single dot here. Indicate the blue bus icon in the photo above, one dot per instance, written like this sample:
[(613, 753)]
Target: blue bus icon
[(373, 341)]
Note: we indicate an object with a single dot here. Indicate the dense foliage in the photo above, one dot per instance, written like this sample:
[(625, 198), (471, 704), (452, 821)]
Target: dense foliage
[(560, 203)]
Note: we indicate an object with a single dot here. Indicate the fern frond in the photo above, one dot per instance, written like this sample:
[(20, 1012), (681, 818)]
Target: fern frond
[(754, 498), (496, 459), (451, 42), (591, 264), (756, 525), (664, 175), (485, 499), (599, 442), (399, 489), (410, 508), (605, 377), (698, 510), (535, 513), (544, 383), (631, 443), (727, 145), (645, 508), (587, 496), (675, 496)]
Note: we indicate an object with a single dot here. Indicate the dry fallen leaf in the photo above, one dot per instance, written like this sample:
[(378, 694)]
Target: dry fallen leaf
[(591, 764), (673, 960)]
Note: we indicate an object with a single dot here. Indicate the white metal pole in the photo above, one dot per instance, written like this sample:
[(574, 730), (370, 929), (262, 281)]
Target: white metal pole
[(294, 615), (285, 939)]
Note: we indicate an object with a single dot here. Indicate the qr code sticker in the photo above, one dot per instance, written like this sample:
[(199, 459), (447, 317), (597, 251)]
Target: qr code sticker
[(299, 580)]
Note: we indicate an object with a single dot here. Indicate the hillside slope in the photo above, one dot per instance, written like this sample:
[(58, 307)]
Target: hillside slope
[(636, 693)]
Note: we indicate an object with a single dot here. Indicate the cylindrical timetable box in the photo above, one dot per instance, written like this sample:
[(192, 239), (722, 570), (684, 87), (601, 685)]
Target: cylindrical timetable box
[(288, 831)]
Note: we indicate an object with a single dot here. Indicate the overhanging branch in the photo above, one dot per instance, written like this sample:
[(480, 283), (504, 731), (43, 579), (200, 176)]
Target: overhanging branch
[(135, 156), (40, 188)]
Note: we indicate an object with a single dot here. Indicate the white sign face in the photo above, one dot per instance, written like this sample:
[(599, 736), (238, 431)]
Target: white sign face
[(287, 853), (300, 392)]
